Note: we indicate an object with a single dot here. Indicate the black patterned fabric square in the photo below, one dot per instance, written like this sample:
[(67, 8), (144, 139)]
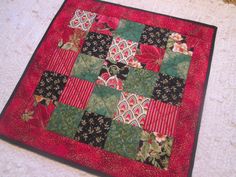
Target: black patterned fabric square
[(97, 45), (120, 70), (51, 85), (93, 129), (169, 89), (155, 36)]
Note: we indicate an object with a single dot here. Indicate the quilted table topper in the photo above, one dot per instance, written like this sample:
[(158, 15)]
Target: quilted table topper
[(115, 89)]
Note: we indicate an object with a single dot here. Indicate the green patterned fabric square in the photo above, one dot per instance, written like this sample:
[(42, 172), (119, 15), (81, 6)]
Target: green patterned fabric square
[(65, 120), (123, 139), (104, 101), (87, 67), (141, 82), (129, 30), (175, 64)]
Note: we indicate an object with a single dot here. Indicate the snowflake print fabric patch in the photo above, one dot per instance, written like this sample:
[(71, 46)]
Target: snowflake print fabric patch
[(114, 89)]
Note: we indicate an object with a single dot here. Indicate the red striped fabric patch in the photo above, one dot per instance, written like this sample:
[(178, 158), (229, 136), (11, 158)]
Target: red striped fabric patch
[(77, 92), (161, 118), (62, 61)]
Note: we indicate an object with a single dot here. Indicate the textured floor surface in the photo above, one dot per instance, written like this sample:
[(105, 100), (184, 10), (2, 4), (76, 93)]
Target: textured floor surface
[(22, 25)]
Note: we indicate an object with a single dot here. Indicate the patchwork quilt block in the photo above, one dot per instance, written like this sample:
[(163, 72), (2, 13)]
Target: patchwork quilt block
[(65, 119), (123, 139), (132, 109), (105, 24), (82, 19), (93, 129), (103, 101), (51, 85), (141, 82), (87, 67), (97, 45), (114, 89), (129, 30), (155, 149), (113, 74), (123, 51)]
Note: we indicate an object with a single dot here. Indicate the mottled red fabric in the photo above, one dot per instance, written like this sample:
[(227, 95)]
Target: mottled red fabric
[(34, 134)]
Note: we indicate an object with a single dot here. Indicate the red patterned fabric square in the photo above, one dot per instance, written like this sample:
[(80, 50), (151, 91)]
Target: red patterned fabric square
[(150, 57), (105, 25), (161, 118), (62, 61), (77, 92), (132, 109)]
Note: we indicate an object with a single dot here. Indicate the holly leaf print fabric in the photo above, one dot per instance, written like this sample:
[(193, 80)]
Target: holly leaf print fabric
[(169, 89), (97, 45), (155, 149), (51, 85), (93, 129), (155, 36)]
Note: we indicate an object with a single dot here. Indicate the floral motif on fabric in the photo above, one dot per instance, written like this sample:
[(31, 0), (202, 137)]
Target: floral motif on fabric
[(93, 129), (82, 20), (74, 42), (65, 120), (140, 82), (129, 30), (155, 149), (123, 51), (169, 89), (132, 109), (123, 139), (97, 45), (87, 67), (103, 101), (112, 74), (155, 36), (27, 115), (150, 57), (105, 25), (175, 64), (51, 85), (178, 43)]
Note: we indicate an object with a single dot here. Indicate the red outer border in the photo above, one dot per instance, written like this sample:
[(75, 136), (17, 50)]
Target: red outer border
[(32, 134)]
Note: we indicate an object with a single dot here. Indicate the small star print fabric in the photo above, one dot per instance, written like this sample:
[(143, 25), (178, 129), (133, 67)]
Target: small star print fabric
[(114, 89)]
